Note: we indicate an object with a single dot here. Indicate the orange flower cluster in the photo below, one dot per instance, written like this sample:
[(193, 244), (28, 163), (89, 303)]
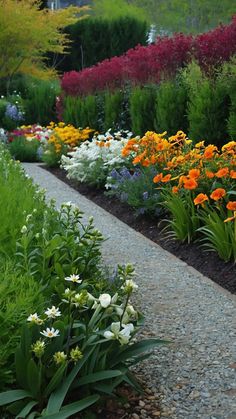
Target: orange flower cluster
[(208, 172), (67, 135)]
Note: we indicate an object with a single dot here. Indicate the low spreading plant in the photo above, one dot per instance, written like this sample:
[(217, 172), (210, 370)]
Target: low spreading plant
[(136, 188), (57, 244)]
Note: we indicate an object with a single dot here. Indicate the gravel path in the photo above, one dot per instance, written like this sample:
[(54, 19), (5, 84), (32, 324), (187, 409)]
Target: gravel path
[(195, 376)]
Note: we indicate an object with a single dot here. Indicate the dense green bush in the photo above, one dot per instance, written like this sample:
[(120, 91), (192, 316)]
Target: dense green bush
[(142, 108), (23, 149), (40, 101), (81, 112), (93, 40), (170, 107), (113, 109), (208, 111)]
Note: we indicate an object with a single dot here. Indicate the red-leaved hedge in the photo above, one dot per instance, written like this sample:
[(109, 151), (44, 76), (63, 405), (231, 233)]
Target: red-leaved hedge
[(149, 64)]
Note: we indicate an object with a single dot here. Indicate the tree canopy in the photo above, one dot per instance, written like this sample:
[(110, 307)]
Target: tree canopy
[(27, 34), (188, 16)]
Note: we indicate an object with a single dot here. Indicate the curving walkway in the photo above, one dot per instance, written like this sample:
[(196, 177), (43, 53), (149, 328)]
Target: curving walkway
[(194, 377)]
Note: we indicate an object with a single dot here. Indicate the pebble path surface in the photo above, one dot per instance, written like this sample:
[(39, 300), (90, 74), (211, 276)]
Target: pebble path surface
[(195, 376)]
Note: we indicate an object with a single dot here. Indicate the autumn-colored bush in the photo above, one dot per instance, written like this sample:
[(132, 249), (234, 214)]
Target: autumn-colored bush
[(149, 64)]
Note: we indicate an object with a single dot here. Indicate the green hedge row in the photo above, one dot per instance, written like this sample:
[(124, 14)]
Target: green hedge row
[(202, 107), (93, 40)]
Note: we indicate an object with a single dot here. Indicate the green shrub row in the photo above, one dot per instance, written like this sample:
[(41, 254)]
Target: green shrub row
[(201, 106), (93, 40)]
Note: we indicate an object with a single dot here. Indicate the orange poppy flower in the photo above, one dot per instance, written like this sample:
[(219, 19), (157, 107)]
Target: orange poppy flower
[(200, 199), (222, 172), (166, 178), (233, 174), (231, 205), (190, 183), (218, 194), (209, 174), (175, 189), (158, 178), (194, 173)]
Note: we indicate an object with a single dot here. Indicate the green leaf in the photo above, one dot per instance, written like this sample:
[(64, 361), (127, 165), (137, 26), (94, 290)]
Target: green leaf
[(98, 376), (34, 378), (12, 396), (137, 349), (56, 399), (71, 409), (26, 410), (56, 379), (21, 366)]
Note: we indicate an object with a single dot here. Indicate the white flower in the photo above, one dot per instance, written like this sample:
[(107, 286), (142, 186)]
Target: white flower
[(34, 318), (105, 300), (73, 278), (50, 333), (122, 335), (129, 286), (53, 312), (24, 230)]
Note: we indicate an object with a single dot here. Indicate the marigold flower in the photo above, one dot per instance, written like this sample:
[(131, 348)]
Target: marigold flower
[(222, 172), (194, 173), (209, 174), (231, 205), (218, 194), (190, 184), (232, 174), (209, 151), (166, 178), (158, 178), (200, 199)]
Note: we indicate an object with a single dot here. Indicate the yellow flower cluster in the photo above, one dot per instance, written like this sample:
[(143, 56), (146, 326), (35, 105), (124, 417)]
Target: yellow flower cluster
[(67, 135)]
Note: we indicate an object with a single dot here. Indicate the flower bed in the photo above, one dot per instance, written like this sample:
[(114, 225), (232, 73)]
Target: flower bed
[(193, 184), (83, 336)]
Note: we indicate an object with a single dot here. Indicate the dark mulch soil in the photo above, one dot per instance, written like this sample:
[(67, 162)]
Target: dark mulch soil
[(208, 263)]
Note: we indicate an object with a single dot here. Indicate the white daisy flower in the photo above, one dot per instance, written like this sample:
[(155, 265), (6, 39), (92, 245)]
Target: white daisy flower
[(73, 278), (50, 333), (53, 312), (34, 318)]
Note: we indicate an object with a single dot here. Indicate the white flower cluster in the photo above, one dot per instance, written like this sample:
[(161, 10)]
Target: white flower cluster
[(99, 155)]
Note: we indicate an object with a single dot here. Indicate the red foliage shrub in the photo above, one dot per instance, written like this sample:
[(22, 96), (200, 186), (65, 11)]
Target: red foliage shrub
[(149, 64)]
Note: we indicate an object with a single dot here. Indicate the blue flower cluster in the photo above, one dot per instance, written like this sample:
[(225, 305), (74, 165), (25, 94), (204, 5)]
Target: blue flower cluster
[(13, 112)]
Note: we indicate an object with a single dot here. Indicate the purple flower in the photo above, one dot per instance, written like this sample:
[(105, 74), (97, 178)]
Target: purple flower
[(13, 112), (145, 196)]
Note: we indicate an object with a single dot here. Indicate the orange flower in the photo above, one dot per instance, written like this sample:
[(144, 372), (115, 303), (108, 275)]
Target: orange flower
[(146, 162), (218, 194), (230, 218), (175, 189), (209, 151), (190, 183), (194, 173), (231, 205), (209, 174), (233, 174), (158, 178), (222, 172), (200, 198), (166, 178)]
